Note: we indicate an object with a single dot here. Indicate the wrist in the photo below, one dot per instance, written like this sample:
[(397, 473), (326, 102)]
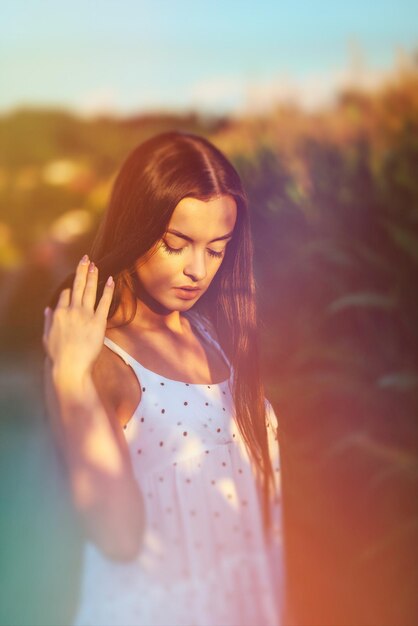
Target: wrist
[(67, 380)]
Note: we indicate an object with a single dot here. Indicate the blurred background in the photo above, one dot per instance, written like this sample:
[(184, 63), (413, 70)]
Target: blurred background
[(316, 104)]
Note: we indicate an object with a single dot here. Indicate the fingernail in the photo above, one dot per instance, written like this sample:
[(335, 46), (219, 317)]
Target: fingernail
[(85, 259), (46, 309), (109, 281), (91, 267)]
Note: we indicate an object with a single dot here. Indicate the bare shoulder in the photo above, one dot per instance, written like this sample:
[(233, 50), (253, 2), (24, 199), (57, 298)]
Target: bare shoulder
[(116, 384)]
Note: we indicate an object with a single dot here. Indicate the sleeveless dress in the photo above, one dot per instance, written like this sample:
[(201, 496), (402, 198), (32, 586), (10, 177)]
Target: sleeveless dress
[(205, 560)]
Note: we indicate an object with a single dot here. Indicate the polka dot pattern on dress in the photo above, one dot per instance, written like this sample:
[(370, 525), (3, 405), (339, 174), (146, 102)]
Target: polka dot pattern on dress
[(200, 500)]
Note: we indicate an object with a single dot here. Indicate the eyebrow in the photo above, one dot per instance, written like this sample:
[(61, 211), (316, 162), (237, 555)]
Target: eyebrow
[(178, 234)]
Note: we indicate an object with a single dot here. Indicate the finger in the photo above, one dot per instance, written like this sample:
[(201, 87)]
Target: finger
[(89, 296), (47, 320), (47, 326), (103, 307), (79, 282), (64, 299)]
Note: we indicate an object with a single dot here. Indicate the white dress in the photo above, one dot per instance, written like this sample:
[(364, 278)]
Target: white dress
[(204, 560)]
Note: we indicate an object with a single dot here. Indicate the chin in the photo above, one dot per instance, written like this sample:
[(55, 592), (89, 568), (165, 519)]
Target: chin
[(185, 305), (179, 305)]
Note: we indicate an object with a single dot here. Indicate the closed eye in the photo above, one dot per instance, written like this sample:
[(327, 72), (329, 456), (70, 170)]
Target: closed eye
[(171, 250)]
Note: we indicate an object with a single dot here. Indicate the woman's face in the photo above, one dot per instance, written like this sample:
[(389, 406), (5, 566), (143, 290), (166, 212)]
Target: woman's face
[(190, 252)]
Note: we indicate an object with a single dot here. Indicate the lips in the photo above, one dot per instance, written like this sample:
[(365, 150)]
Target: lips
[(187, 293)]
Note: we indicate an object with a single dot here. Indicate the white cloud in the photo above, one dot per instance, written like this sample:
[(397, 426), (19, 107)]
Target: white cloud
[(310, 92), (243, 93), (100, 100)]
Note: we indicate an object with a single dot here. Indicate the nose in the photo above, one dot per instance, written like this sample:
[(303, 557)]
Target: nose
[(195, 266)]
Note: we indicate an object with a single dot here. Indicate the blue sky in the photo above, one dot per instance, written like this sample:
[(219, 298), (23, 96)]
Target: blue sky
[(127, 56)]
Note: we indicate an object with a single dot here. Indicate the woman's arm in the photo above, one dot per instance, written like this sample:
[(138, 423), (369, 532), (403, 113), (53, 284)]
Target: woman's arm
[(103, 488)]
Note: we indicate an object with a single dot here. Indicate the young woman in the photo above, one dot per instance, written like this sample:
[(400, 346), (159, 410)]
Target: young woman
[(156, 403)]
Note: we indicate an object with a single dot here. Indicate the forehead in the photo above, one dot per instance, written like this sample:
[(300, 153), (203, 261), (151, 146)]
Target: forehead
[(200, 219)]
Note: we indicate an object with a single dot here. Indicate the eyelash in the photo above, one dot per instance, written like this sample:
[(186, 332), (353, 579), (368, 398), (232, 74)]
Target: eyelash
[(212, 253)]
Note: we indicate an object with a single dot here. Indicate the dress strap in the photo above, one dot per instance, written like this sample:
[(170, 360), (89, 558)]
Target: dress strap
[(120, 351), (205, 327)]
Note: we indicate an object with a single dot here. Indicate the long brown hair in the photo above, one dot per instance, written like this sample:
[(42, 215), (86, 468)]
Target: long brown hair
[(156, 175)]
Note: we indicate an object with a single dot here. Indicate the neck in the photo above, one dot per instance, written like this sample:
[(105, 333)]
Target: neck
[(150, 315), (147, 318)]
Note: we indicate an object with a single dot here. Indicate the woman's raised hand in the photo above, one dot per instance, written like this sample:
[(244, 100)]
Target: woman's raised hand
[(74, 331)]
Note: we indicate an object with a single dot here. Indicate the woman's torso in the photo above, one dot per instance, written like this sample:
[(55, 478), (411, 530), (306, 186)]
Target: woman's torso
[(204, 559)]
